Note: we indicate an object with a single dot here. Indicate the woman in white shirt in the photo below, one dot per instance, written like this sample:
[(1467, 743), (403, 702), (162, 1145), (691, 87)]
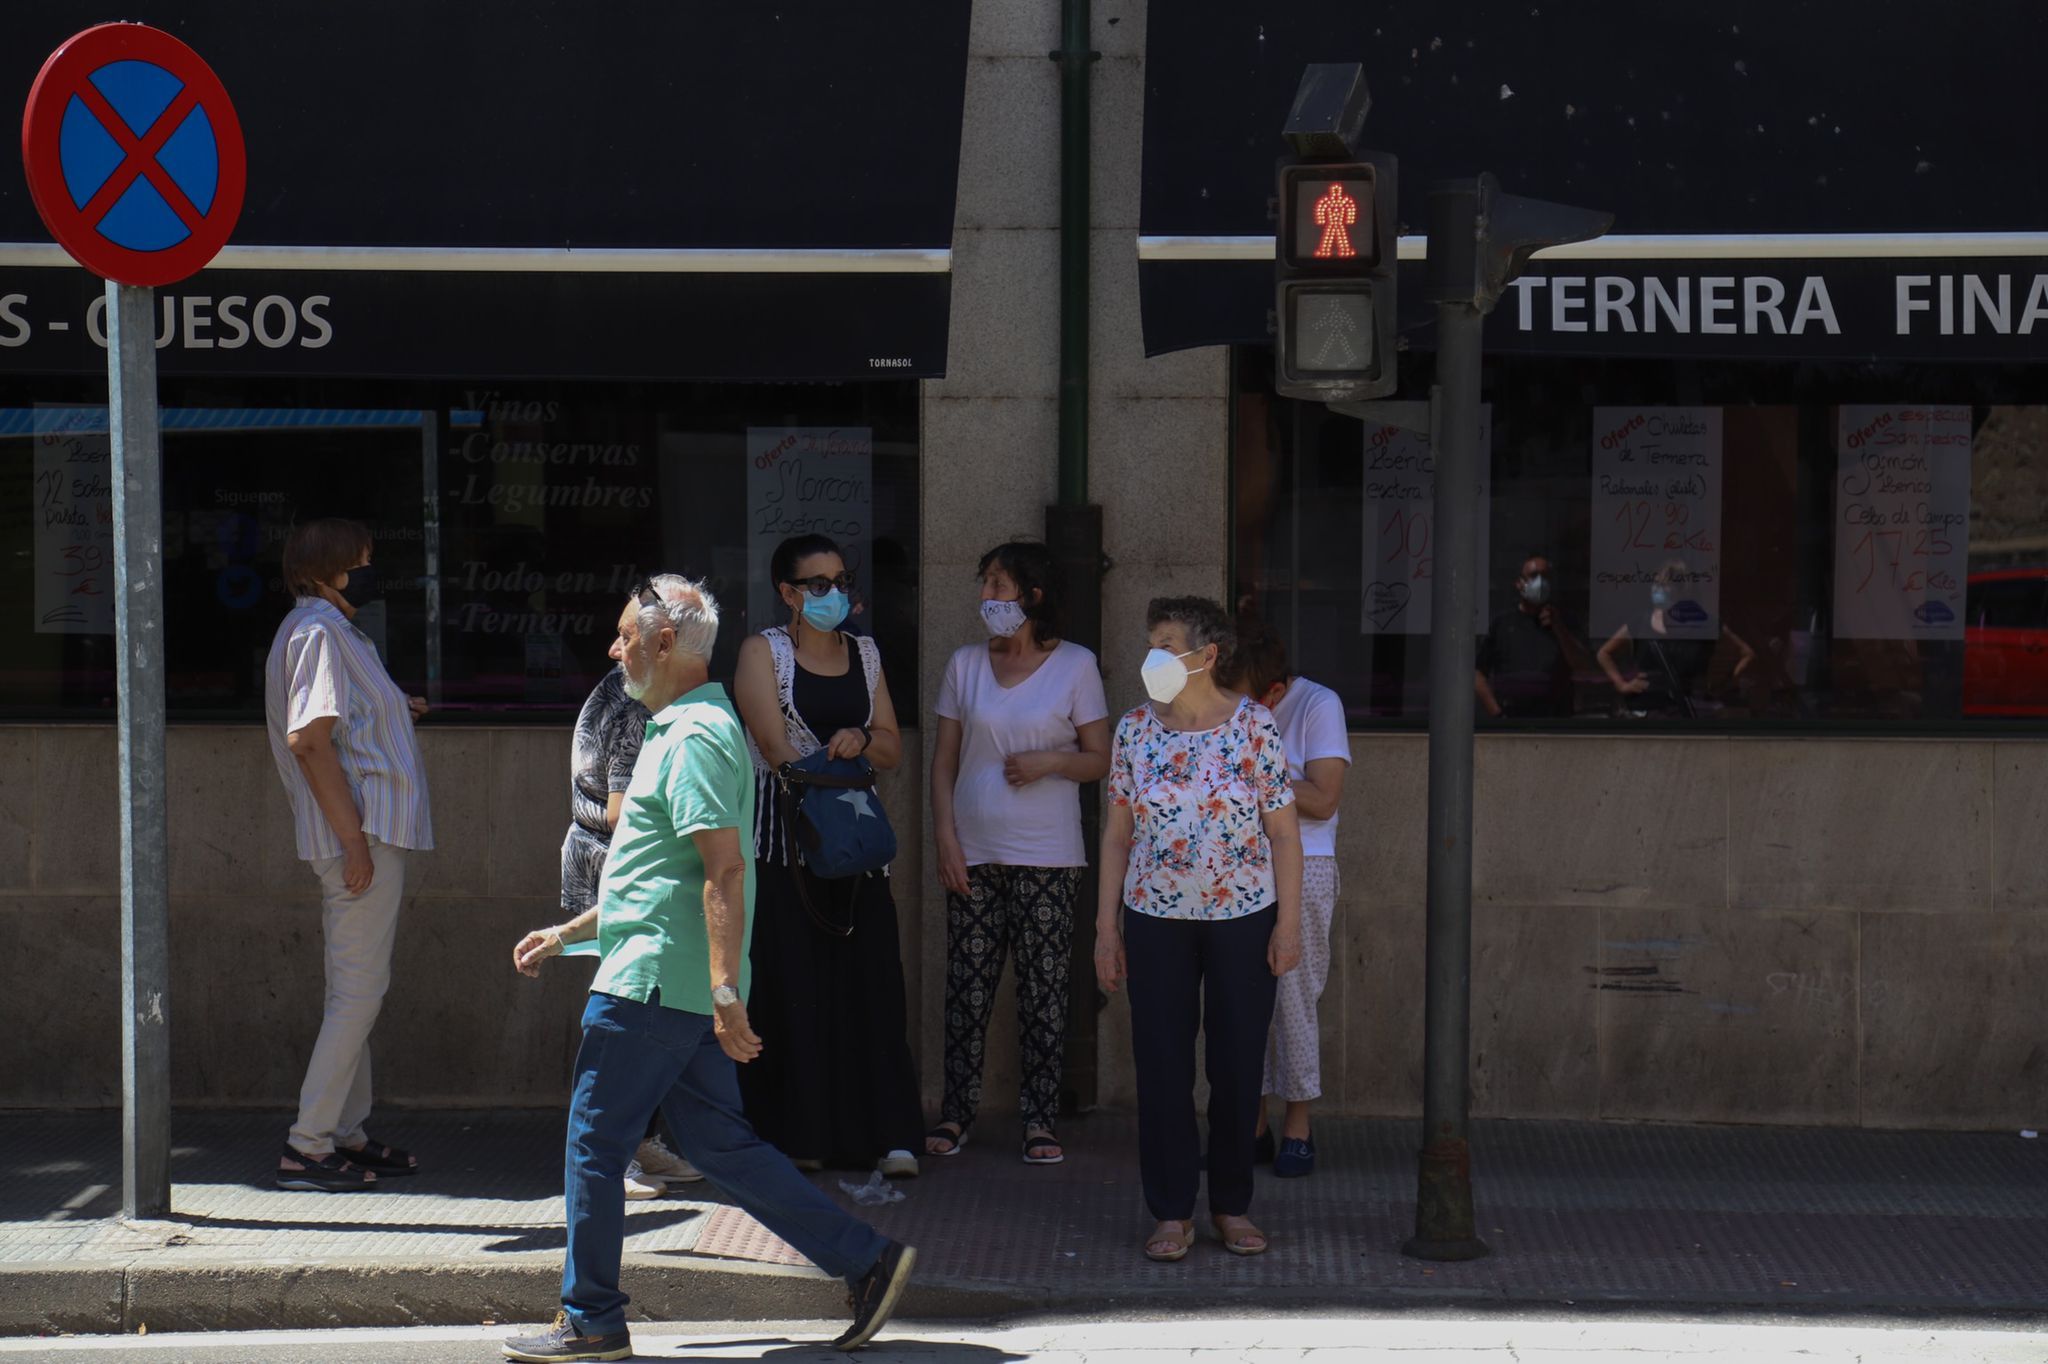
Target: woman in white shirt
[(1311, 721), (1022, 723)]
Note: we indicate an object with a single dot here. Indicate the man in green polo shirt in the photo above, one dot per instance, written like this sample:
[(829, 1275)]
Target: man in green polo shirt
[(667, 1017)]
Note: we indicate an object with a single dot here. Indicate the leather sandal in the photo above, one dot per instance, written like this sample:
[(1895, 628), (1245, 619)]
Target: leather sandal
[(385, 1160), (1240, 1237), (956, 1141), (331, 1173), (1166, 1247), (1043, 1148)]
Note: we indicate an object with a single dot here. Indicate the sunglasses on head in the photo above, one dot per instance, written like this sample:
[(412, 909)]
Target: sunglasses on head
[(820, 585), (643, 592)]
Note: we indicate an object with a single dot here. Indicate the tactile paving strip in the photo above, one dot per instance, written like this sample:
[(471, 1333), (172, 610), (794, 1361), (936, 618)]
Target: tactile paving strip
[(731, 1234)]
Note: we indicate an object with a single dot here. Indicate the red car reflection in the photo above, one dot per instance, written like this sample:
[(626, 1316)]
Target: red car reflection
[(2005, 659)]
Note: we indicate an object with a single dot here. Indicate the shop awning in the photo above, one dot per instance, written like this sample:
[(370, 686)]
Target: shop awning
[(1788, 180), (548, 190)]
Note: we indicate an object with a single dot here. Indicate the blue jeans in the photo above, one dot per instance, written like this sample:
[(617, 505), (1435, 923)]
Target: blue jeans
[(634, 1059)]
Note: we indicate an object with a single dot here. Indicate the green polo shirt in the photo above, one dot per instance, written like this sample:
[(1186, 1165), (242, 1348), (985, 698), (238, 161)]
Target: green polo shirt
[(694, 774)]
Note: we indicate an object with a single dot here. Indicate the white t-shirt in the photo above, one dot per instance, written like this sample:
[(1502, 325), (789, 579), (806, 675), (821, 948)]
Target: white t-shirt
[(1311, 720), (1019, 826)]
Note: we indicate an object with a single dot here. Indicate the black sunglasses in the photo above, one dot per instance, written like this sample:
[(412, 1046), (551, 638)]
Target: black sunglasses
[(820, 585), (643, 592)]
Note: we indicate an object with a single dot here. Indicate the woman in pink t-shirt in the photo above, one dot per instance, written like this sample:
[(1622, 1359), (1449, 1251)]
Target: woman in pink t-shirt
[(1022, 723)]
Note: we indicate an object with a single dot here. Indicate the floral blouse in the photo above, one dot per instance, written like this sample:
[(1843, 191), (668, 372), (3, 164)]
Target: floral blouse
[(1197, 801)]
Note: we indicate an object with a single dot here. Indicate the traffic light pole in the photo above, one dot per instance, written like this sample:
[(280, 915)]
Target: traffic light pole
[(1479, 240), (1444, 1227)]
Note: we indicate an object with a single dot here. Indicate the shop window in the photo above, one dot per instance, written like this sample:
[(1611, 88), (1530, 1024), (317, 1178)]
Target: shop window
[(1830, 546), (509, 521)]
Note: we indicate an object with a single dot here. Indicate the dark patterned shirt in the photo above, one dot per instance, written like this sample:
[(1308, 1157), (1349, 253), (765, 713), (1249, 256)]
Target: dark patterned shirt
[(608, 734)]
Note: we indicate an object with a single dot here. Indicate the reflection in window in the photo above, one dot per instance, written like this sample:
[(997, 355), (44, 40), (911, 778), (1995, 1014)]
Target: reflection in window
[(509, 522), (1715, 544)]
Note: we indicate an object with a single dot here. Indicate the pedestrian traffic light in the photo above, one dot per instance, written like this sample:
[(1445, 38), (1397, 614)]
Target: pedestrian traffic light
[(1334, 263)]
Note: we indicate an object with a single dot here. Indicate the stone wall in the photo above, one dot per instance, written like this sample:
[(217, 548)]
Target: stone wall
[(1839, 932), (459, 1026)]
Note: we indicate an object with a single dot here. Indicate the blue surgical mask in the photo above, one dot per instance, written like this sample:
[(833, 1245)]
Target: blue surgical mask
[(826, 612)]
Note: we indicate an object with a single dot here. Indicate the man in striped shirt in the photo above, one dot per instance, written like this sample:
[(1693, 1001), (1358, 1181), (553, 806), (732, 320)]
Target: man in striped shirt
[(341, 733)]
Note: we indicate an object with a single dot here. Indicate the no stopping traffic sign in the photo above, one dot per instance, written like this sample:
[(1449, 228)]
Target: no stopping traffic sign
[(134, 154)]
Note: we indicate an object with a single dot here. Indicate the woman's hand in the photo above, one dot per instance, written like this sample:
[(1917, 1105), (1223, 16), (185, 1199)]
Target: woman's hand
[(1022, 769), (1633, 686), (1110, 966), (847, 743), (1283, 949), (952, 865), (418, 706)]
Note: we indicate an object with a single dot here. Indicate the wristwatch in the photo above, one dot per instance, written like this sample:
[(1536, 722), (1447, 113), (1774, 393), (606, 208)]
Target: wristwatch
[(724, 996)]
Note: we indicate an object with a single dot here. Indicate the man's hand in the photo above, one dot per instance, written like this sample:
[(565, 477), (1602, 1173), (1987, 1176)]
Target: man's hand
[(735, 1034), (357, 869), (1633, 686), (847, 743), (535, 948), (1022, 769), (418, 705)]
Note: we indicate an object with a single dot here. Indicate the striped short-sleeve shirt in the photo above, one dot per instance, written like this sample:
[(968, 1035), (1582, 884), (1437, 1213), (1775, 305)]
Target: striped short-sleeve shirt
[(321, 665)]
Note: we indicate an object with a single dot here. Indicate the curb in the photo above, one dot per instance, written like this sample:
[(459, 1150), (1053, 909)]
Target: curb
[(112, 1297)]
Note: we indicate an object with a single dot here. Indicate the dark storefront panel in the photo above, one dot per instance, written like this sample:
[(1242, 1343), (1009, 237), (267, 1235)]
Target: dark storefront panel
[(552, 123), (552, 127), (1735, 119), (541, 501), (1792, 544)]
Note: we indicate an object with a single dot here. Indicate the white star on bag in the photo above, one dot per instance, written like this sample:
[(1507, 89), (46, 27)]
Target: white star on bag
[(859, 801)]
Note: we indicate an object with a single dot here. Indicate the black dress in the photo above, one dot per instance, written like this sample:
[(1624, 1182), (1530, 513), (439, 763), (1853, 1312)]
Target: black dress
[(834, 1081)]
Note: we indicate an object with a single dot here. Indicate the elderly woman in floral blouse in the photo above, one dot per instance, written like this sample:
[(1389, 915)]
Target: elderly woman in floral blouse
[(1200, 911)]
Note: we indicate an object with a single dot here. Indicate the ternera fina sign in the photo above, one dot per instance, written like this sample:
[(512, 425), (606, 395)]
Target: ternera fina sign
[(1963, 309)]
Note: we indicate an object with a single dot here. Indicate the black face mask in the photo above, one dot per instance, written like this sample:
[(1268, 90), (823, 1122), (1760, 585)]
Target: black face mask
[(362, 587)]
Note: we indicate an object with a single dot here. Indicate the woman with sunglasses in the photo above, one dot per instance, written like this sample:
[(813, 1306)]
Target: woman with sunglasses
[(834, 1084)]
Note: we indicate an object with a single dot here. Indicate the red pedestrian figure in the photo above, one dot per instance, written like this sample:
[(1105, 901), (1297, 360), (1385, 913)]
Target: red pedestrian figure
[(1336, 211)]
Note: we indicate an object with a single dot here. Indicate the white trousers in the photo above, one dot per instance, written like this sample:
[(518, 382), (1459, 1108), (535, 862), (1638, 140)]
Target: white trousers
[(360, 931), (1294, 1063)]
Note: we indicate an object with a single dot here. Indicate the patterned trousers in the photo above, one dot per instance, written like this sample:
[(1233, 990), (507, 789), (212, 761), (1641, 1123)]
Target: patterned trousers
[(1294, 1066), (1032, 910)]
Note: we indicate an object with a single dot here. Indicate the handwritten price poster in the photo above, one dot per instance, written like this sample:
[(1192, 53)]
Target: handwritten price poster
[(72, 500), (1400, 527), (1657, 513), (806, 480), (1902, 522)]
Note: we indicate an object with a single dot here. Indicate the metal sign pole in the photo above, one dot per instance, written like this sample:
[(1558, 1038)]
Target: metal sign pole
[(145, 852)]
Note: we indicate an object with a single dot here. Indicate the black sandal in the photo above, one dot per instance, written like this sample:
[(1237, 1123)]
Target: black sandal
[(385, 1160), (944, 1133), (331, 1173), (1036, 1147)]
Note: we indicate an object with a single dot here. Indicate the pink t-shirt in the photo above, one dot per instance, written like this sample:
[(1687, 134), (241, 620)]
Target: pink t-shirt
[(1019, 826), (1198, 801)]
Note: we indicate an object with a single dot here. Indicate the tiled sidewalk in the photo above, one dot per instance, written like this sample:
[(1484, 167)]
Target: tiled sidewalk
[(1575, 1212)]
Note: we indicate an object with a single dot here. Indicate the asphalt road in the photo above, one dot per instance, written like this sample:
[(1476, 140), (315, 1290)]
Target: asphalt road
[(1409, 1338)]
